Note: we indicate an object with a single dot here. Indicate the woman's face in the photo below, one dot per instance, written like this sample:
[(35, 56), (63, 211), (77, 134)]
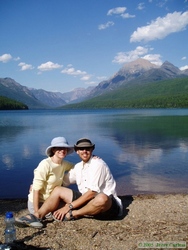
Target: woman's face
[(60, 152)]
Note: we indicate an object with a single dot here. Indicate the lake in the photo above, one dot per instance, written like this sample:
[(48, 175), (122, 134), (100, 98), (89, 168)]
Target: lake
[(146, 149)]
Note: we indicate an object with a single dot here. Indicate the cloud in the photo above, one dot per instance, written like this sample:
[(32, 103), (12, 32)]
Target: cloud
[(184, 67), (127, 15), (69, 70), (49, 66), (153, 58), (72, 71), (123, 57), (162, 3), (101, 78), (5, 58), (140, 6), (25, 66), (117, 11), (120, 11), (17, 58), (184, 58), (85, 77), (161, 27), (105, 26), (91, 83)]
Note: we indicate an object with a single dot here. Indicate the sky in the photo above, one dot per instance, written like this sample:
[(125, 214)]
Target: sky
[(60, 45)]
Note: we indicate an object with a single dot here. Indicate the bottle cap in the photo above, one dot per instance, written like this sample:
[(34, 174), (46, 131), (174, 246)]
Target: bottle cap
[(9, 215)]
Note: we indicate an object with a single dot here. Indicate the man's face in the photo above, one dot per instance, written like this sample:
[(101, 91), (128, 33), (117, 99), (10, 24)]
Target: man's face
[(85, 153)]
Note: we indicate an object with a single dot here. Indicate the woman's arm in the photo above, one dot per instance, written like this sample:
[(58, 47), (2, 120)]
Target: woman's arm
[(36, 200)]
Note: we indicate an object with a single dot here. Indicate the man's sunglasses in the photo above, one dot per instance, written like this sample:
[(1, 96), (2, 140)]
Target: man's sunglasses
[(82, 149)]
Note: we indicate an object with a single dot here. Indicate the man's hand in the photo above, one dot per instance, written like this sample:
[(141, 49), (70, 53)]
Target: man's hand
[(60, 213)]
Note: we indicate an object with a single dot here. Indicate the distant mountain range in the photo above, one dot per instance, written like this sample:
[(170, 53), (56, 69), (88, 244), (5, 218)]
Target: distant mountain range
[(138, 72), (39, 98), (57, 99)]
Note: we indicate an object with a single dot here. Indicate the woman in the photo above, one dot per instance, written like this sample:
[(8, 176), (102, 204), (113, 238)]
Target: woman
[(48, 175)]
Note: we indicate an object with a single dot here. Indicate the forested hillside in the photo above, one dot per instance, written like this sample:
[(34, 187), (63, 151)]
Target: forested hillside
[(10, 104), (161, 94)]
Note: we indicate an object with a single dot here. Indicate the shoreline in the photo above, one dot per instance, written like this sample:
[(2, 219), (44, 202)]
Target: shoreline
[(146, 218)]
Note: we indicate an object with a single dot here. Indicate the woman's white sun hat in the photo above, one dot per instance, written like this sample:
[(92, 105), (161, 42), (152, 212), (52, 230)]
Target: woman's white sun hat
[(59, 142)]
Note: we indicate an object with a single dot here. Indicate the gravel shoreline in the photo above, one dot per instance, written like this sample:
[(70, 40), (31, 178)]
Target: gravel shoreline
[(147, 219)]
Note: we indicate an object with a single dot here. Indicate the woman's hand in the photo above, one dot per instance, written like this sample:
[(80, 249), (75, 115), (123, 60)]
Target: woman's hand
[(30, 188)]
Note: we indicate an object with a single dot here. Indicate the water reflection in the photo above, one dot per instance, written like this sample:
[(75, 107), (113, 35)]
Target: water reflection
[(154, 149), (8, 161), (146, 150), (149, 183), (140, 157)]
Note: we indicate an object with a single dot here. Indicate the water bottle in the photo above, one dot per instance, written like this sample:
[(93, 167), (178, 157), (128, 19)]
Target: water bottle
[(10, 231)]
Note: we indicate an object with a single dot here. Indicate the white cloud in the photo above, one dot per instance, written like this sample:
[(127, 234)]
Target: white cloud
[(85, 77), (91, 83), (25, 66), (5, 58), (162, 3), (123, 57), (120, 11), (117, 11), (153, 58), (73, 71), (49, 66), (127, 15), (17, 58), (140, 6), (101, 78), (184, 67), (161, 27), (69, 70), (184, 58), (106, 25)]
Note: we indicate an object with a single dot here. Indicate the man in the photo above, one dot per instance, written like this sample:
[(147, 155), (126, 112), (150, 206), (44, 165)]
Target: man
[(97, 190)]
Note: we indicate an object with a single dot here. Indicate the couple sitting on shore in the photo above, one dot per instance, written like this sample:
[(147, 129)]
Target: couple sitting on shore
[(49, 197)]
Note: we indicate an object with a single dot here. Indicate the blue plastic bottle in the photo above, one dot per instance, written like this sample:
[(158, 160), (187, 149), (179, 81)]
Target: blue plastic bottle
[(10, 231)]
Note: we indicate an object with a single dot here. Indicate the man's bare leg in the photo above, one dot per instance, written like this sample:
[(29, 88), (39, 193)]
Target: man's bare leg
[(100, 203)]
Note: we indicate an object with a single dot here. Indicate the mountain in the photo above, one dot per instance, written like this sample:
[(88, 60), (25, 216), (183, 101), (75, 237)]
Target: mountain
[(139, 71), (57, 99), (185, 71), (51, 99), (11, 89), (76, 95), (39, 98), (136, 73), (171, 93), (127, 73)]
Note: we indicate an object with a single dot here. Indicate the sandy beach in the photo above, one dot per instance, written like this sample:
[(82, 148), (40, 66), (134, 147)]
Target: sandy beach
[(149, 221)]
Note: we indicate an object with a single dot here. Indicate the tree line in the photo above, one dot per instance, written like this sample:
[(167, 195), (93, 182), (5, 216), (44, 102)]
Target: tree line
[(10, 104), (161, 94)]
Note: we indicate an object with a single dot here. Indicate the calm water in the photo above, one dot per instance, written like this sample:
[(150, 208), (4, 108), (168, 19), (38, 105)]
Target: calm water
[(146, 150)]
